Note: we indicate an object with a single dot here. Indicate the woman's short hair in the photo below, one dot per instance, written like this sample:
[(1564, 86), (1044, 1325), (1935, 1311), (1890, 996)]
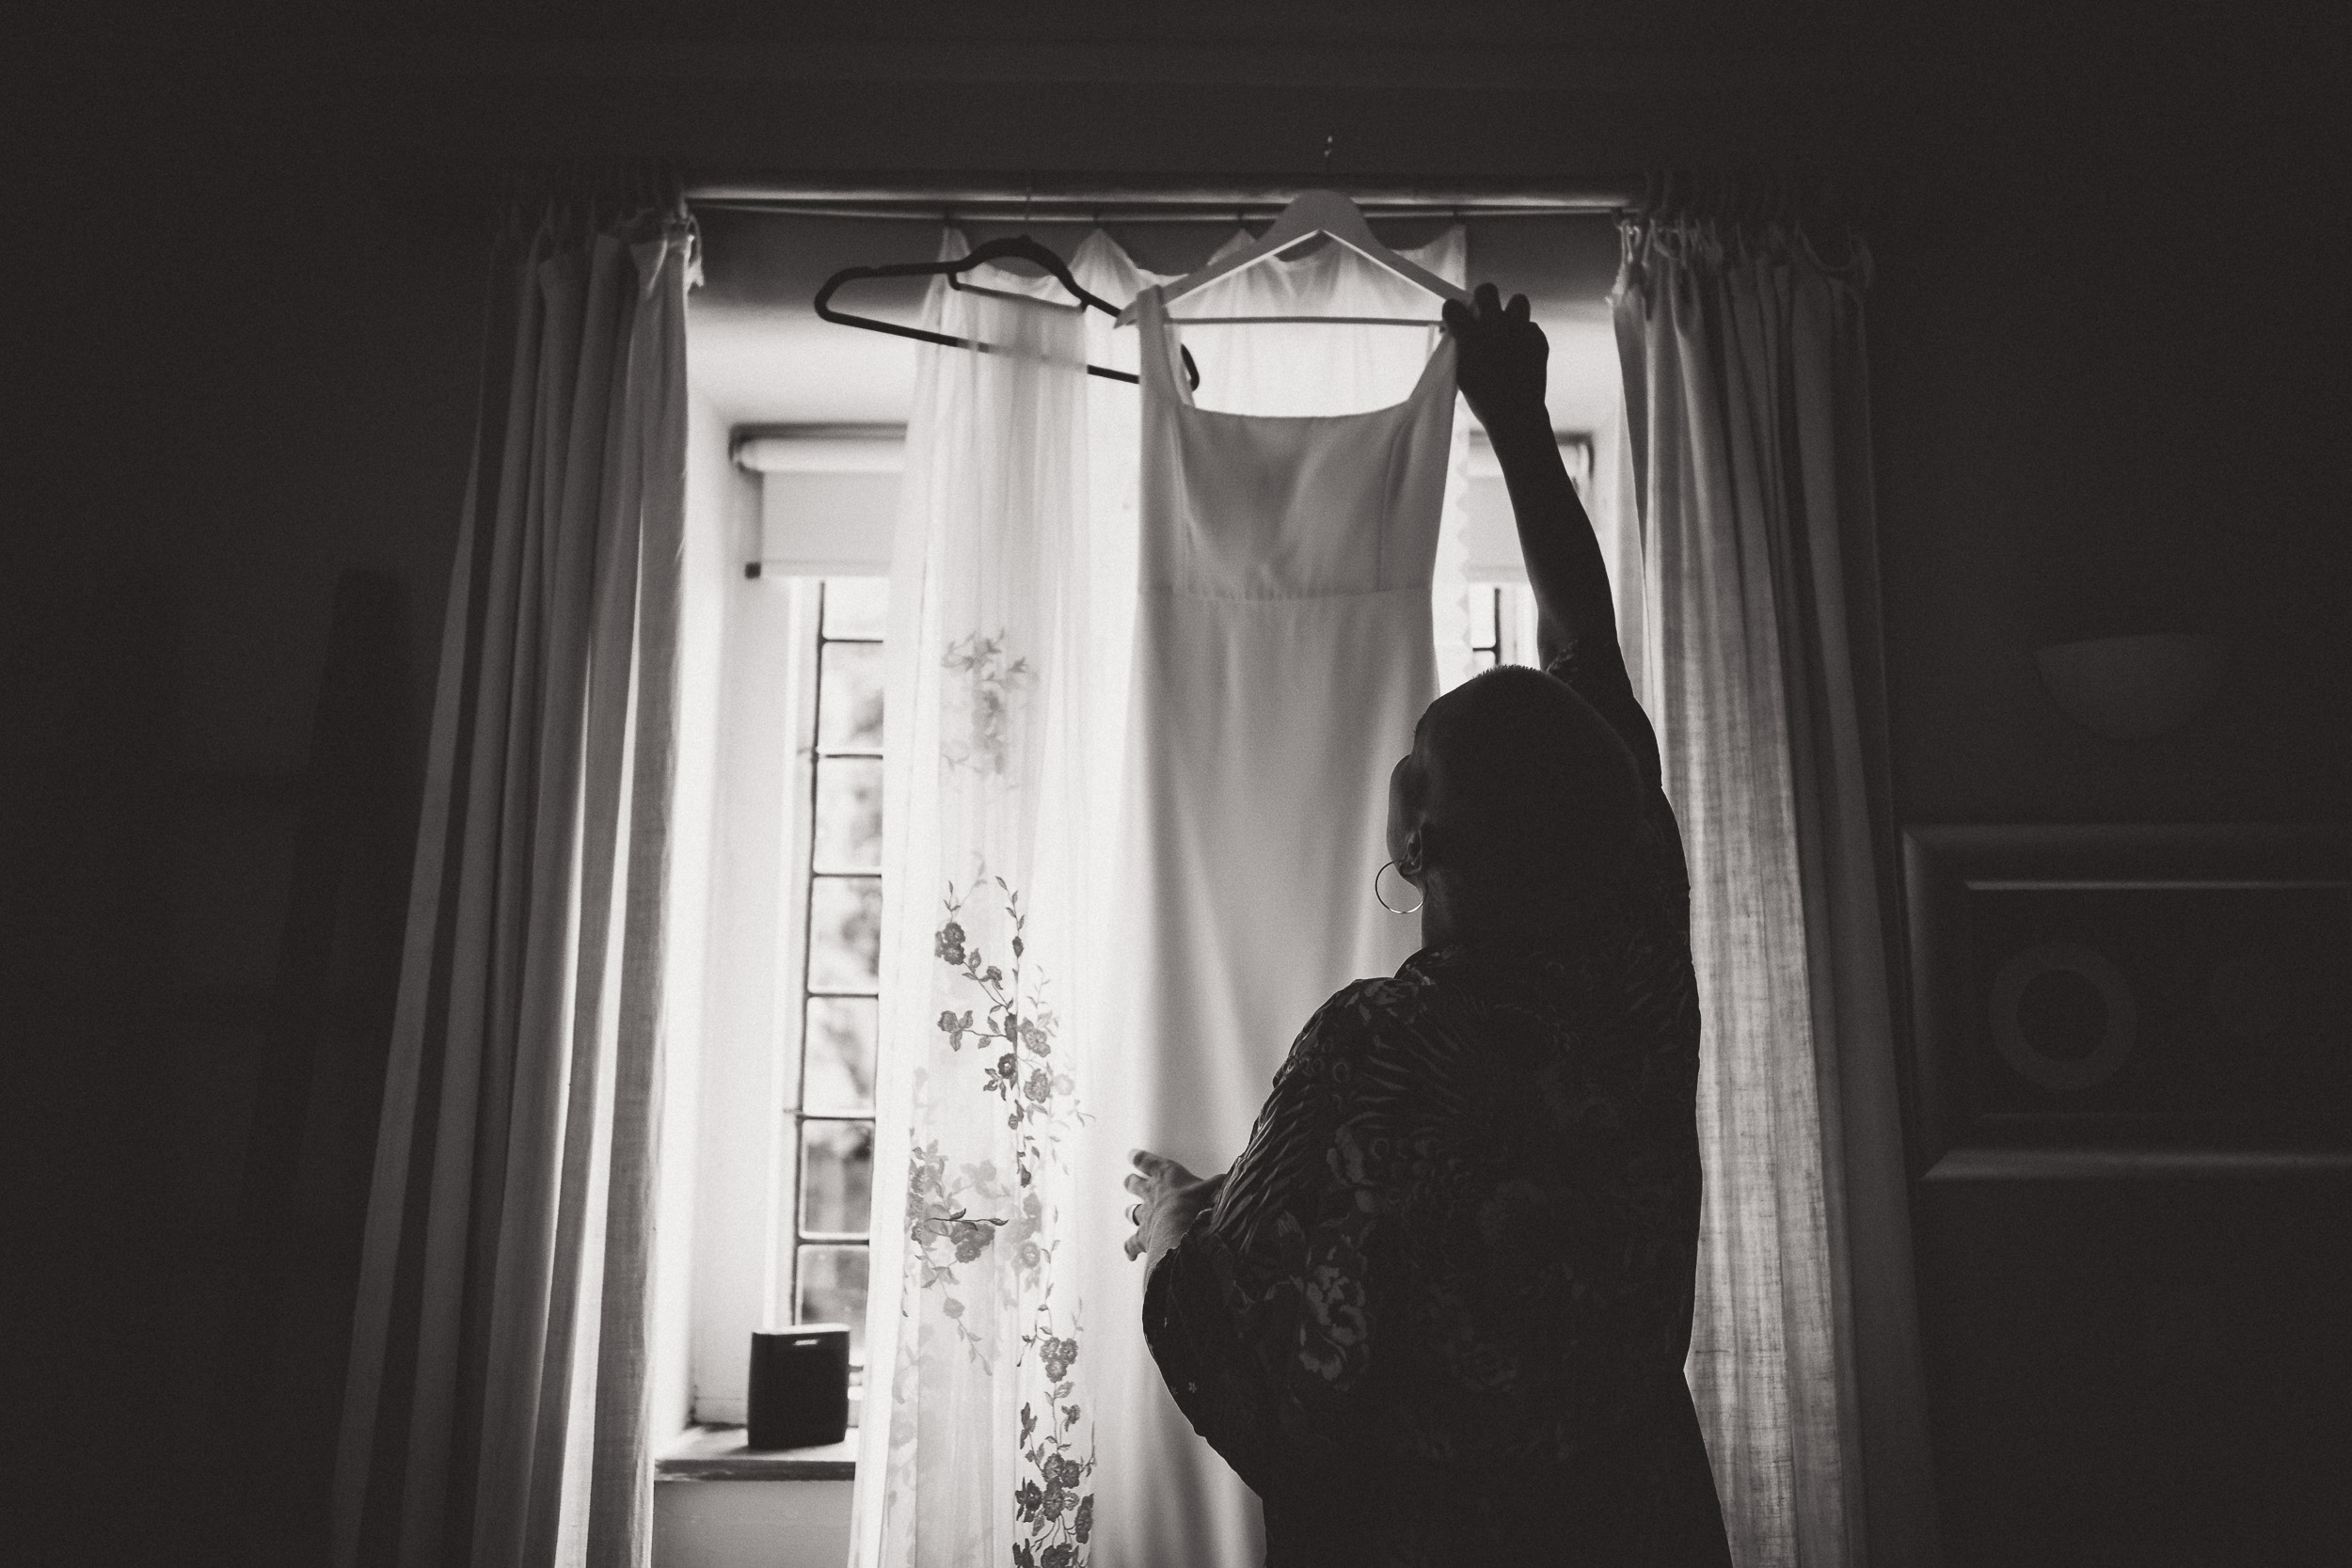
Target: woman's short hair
[(1532, 784)]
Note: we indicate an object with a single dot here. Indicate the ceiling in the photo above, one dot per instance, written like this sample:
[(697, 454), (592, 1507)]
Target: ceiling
[(762, 357)]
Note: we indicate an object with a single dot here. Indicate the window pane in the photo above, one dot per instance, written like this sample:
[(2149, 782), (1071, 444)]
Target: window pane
[(837, 1177), (850, 697), (840, 1050), (1482, 615), (833, 1290), (856, 607), (849, 814), (1517, 611), (1482, 659), (844, 932)]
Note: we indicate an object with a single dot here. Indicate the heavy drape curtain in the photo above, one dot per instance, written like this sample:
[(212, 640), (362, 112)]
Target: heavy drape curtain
[(1004, 1324), (1746, 392), (495, 1410)]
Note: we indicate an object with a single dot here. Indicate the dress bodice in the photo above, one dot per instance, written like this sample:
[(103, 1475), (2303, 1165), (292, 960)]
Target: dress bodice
[(1252, 506)]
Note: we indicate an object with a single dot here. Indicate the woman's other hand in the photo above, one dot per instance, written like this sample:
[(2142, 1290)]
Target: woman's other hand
[(1168, 1199), (1500, 357)]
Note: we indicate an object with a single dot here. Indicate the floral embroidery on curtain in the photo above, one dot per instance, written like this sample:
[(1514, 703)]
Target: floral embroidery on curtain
[(991, 679), (983, 1436)]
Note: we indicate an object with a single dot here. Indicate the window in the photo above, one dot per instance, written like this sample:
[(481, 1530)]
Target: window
[(784, 1157), (832, 1146), (830, 1159), (784, 1073), (1503, 625), (1501, 607), (780, 1181)]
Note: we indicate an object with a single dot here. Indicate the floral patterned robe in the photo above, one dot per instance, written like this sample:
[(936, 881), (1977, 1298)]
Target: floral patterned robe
[(1438, 1313)]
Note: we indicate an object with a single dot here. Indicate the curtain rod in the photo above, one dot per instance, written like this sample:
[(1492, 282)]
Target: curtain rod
[(1189, 202)]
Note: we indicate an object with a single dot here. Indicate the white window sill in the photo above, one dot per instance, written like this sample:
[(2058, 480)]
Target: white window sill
[(717, 1453)]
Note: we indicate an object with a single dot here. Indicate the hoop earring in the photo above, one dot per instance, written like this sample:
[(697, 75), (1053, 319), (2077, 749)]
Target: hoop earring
[(1383, 901)]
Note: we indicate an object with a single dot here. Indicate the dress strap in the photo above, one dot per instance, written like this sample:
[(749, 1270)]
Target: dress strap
[(1434, 371), (1153, 320)]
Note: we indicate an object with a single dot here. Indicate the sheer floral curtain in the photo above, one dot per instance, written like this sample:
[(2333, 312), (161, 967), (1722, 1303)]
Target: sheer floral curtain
[(1746, 404), (979, 1410)]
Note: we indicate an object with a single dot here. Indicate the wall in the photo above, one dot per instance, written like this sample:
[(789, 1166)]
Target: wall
[(2105, 403), (736, 1524), (736, 1257), (716, 522), (2106, 406), (240, 379), (2109, 368)]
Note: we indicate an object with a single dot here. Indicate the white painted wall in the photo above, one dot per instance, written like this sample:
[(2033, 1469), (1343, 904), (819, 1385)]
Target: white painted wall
[(753, 1031), (751, 1524), (720, 513)]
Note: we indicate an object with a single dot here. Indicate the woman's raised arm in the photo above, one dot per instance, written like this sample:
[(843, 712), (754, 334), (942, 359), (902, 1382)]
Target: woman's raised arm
[(1500, 357)]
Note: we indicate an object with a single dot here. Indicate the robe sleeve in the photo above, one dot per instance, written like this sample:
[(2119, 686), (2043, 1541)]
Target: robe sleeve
[(1263, 1318)]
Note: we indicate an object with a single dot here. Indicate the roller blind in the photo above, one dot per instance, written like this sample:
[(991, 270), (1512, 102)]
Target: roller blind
[(828, 499)]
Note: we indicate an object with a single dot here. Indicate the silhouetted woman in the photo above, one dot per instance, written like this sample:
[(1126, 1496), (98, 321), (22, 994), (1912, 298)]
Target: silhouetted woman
[(1437, 1312)]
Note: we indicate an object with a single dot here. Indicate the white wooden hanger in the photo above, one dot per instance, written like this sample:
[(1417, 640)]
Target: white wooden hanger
[(1314, 212)]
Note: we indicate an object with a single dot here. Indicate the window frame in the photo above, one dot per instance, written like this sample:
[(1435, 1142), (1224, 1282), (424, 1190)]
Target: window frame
[(805, 874), (751, 1070), (754, 1040)]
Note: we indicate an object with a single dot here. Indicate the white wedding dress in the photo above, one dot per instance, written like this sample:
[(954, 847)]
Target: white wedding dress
[(1283, 652)]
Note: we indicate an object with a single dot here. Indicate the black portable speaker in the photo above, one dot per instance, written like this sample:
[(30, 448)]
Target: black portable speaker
[(799, 1387)]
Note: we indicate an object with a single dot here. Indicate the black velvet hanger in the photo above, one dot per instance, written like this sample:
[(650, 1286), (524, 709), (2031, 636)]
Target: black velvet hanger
[(1020, 247)]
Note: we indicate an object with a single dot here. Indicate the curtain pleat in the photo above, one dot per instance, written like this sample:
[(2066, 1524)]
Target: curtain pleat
[(1850, 818), (1746, 394), (620, 1519), (500, 1331)]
